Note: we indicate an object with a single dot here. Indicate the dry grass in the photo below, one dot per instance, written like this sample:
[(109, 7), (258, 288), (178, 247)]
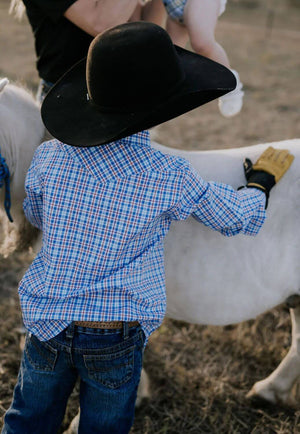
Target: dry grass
[(199, 375)]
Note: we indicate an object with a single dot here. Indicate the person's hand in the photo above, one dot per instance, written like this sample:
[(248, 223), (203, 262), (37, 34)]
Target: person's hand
[(268, 169)]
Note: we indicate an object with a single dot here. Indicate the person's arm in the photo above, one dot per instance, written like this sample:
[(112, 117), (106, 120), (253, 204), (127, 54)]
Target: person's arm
[(226, 210), (219, 206), (268, 169), (96, 16), (231, 212), (33, 203), (154, 12)]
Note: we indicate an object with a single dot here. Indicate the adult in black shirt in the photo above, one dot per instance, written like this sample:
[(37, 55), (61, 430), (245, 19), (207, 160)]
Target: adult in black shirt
[(64, 29)]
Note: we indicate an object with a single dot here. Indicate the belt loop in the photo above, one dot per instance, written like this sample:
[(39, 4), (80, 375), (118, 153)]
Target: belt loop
[(125, 330), (70, 331)]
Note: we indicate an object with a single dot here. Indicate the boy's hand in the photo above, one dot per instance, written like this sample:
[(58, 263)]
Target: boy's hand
[(274, 161), (268, 170)]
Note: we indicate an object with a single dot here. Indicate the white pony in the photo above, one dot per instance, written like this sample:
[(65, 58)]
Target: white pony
[(216, 280), (21, 131), (210, 279)]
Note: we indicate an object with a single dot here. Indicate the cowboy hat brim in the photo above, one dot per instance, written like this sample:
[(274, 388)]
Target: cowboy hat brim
[(70, 116)]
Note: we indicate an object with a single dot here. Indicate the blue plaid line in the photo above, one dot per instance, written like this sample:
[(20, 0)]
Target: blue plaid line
[(175, 8)]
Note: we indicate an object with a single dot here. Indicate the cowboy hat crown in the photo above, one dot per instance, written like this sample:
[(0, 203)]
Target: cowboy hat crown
[(141, 68), (132, 79)]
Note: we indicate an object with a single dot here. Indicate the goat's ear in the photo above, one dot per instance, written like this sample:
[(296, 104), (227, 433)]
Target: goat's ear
[(3, 83)]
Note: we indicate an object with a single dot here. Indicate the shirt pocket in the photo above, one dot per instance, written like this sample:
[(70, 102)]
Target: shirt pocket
[(113, 369), (40, 355)]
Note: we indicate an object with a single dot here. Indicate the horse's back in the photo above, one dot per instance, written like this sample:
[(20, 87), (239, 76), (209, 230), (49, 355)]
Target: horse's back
[(212, 279)]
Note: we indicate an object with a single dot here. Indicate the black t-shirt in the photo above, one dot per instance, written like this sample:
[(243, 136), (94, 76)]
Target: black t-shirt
[(59, 44)]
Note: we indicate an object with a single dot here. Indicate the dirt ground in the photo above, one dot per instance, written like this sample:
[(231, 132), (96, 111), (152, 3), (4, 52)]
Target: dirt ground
[(199, 375)]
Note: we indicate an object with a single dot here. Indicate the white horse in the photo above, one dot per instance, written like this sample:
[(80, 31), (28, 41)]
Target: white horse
[(21, 131), (216, 280), (210, 279)]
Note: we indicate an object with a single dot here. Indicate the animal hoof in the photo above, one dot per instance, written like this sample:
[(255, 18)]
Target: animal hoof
[(261, 394)]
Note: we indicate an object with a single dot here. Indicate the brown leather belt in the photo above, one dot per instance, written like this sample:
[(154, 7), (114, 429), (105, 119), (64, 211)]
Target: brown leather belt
[(105, 325)]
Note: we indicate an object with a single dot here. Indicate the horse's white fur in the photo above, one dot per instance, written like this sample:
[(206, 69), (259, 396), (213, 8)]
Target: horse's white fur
[(210, 279), (216, 280), (21, 131)]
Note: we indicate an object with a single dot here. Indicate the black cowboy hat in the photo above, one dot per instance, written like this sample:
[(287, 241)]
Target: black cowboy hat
[(132, 79)]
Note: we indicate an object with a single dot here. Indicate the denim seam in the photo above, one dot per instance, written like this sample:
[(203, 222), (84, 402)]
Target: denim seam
[(95, 374), (107, 357), (51, 361), (116, 347)]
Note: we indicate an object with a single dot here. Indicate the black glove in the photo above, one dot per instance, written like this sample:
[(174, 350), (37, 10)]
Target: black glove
[(269, 168), (258, 179)]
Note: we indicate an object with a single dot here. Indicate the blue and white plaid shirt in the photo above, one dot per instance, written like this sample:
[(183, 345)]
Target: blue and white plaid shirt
[(104, 212), (175, 9)]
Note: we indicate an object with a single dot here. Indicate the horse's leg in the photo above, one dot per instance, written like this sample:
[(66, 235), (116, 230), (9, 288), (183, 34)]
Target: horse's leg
[(143, 389), (73, 427), (276, 387)]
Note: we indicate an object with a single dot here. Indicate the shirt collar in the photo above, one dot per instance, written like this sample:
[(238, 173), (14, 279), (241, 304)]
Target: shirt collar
[(110, 159)]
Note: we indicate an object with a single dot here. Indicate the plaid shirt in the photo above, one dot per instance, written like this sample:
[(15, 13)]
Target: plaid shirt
[(175, 9), (104, 212)]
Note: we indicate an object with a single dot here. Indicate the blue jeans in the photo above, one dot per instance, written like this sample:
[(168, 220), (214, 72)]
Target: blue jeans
[(109, 364)]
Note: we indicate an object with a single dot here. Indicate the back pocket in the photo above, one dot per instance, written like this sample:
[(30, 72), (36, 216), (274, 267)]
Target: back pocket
[(41, 355), (112, 369)]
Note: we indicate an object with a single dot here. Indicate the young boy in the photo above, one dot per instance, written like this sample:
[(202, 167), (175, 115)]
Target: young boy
[(96, 291), (196, 20)]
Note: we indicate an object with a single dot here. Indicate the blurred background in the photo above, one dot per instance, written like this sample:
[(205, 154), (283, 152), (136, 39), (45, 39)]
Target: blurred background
[(261, 38)]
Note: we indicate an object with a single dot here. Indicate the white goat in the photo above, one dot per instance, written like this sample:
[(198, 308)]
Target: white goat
[(210, 279), (21, 131)]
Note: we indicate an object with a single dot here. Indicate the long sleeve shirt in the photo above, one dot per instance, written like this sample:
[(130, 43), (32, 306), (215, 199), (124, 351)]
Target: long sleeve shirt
[(104, 212)]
